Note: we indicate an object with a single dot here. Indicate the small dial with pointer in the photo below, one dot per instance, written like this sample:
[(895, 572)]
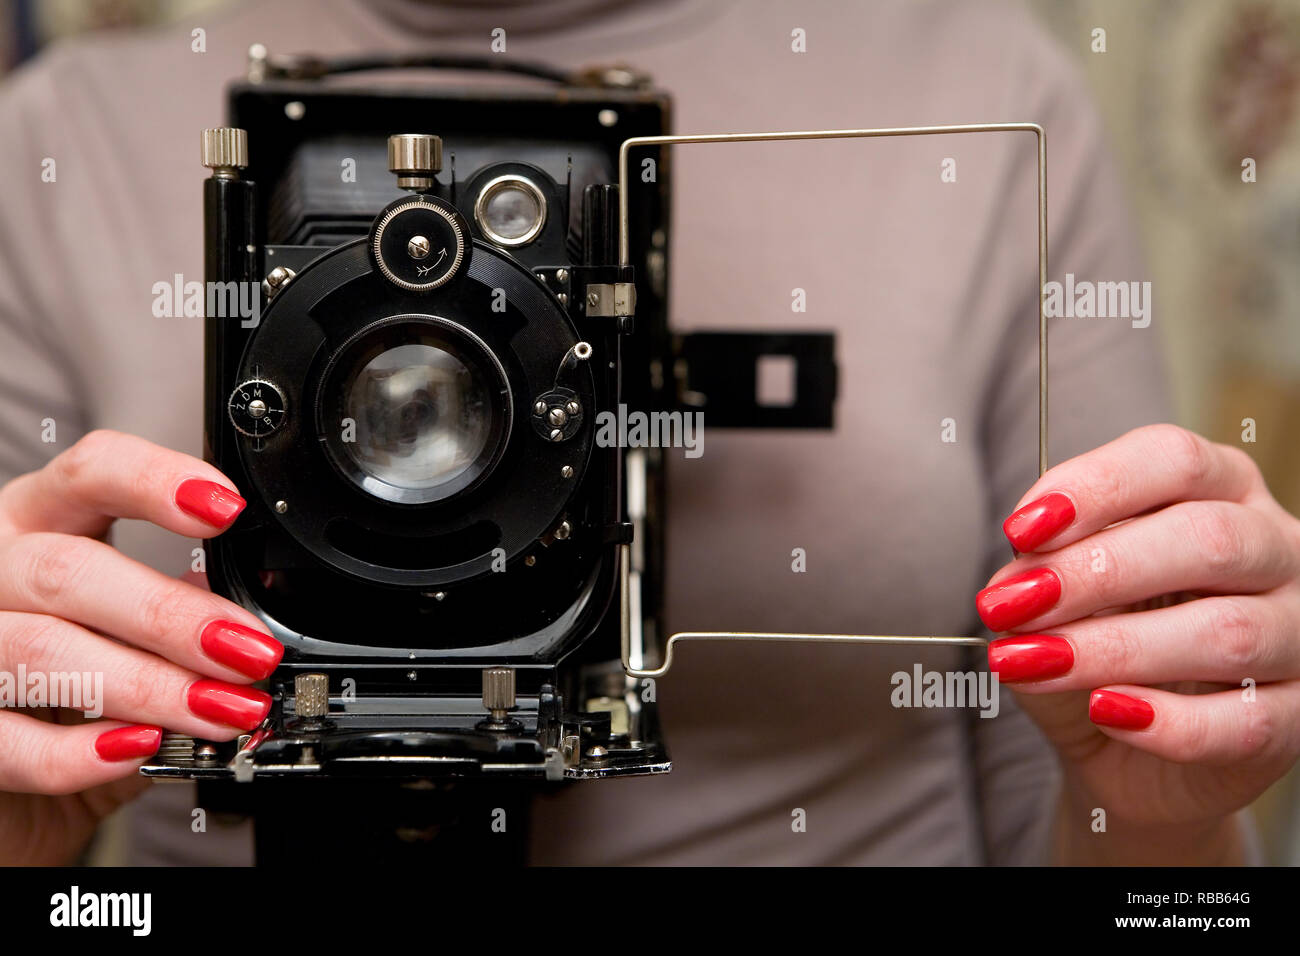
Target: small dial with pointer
[(256, 408)]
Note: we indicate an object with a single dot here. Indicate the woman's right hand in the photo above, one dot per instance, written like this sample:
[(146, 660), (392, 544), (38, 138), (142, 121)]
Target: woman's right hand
[(171, 653)]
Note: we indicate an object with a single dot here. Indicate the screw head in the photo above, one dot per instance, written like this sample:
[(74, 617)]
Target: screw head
[(281, 507), (557, 435), (418, 247), (539, 408), (566, 471), (593, 298), (562, 275), (557, 416), (573, 408), (276, 280), (563, 531)]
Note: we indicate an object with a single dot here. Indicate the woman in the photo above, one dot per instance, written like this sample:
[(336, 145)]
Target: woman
[(933, 291)]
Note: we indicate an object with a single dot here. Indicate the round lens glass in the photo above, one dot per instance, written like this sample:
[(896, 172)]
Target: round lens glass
[(422, 417), (511, 212)]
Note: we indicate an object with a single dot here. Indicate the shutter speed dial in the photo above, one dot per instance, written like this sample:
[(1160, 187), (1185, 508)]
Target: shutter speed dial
[(256, 408)]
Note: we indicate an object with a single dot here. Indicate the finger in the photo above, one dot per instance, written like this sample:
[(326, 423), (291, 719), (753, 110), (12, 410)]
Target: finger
[(1144, 469), (84, 671), (1201, 546), (38, 757), (108, 475), (1232, 726), (87, 581), (1215, 639)]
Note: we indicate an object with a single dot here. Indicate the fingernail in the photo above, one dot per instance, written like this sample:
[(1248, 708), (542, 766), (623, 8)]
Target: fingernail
[(248, 651), (241, 707), (209, 501), (1030, 657), (1018, 599), (1110, 708), (1039, 521), (128, 743)]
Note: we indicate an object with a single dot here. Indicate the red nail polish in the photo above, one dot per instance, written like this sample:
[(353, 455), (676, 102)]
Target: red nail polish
[(128, 743), (1039, 521), (241, 707), (1018, 599), (248, 651), (1030, 657), (209, 501), (1110, 708)]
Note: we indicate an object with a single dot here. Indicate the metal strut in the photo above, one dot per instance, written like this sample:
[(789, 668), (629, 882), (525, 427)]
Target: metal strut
[(631, 631)]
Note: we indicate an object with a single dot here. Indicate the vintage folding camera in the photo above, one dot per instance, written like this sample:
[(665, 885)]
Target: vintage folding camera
[(459, 568)]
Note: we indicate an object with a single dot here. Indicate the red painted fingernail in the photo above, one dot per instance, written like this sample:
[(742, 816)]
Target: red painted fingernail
[(128, 743), (209, 501), (1039, 521), (241, 707), (1110, 708), (1030, 657), (1018, 599), (248, 651)]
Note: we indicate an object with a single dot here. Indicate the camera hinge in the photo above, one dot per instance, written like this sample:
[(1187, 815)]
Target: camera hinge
[(610, 299)]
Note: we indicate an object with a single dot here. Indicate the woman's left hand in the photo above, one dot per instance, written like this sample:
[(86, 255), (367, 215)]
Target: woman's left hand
[(1169, 713)]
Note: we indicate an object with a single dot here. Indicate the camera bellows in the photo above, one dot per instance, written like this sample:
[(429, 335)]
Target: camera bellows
[(311, 695)]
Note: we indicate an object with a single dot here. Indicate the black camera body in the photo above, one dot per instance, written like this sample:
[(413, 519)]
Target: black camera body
[(432, 530), (458, 566)]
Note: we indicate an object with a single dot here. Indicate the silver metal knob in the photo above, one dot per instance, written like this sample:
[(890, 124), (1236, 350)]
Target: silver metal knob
[(414, 158), (277, 279), (499, 691), (311, 695), (225, 150)]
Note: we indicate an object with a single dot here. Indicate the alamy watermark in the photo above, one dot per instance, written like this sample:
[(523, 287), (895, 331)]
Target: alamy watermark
[(626, 429), (1098, 300), (922, 688), (75, 690), (221, 300)]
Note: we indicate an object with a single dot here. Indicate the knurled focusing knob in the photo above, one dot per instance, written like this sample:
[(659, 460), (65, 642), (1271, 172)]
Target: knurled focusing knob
[(311, 696), (415, 158), (225, 149), (499, 690)]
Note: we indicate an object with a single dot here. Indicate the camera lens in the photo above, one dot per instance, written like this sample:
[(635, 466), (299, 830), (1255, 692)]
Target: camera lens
[(422, 407), (421, 418)]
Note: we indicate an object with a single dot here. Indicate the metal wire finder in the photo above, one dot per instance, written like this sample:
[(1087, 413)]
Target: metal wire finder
[(629, 623)]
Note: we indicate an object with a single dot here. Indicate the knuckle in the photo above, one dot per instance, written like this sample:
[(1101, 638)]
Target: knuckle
[(1258, 730), (1186, 451), (1194, 729), (161, 613), (1218, 538), (85, 453), (51, 566), (38, 763), (1107, 480), (137, 689), (35, 638), (1237, 635), (1112, 648)]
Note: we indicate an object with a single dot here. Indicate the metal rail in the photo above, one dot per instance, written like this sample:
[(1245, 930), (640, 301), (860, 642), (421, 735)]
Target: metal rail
[(627, 625)]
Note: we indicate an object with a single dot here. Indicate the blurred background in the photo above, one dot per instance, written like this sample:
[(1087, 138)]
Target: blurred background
[(1188, 89)]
